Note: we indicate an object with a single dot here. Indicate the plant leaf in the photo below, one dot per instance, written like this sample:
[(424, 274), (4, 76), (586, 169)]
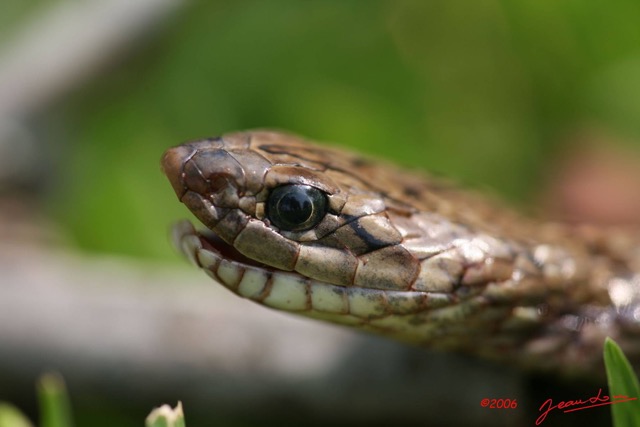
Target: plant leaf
[(622, 382), (55, 410), (10, 416)]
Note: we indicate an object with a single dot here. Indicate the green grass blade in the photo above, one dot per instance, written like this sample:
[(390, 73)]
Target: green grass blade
[(55, 410), (622, 381), (165, 416), (10, 416)]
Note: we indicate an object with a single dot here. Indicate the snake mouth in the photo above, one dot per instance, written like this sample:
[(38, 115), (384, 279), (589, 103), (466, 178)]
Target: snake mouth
[(375, 309), (253, 280), (214, 243)]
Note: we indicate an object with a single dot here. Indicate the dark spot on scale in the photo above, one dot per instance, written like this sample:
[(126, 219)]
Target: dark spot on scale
[(371, 241), (218, 182)]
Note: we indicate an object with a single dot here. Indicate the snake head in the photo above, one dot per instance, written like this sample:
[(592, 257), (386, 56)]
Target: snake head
[(321, 232), (290, 205)]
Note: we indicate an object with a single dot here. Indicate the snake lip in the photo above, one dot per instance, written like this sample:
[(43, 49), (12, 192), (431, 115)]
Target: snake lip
[(187, 239), (213, 242)]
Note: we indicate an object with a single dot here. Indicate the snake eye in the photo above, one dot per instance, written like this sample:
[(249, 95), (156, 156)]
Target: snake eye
[(296, 207)]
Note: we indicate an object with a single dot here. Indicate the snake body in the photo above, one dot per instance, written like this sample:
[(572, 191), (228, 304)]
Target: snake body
[(330, 234)]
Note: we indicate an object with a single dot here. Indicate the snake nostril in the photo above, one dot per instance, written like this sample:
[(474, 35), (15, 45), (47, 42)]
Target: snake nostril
[(219, 182)]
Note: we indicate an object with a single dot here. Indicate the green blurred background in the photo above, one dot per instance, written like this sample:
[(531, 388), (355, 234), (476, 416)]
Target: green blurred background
[(482, 91)]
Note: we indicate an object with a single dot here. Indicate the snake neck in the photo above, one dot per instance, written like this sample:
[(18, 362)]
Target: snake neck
[(549, 293)]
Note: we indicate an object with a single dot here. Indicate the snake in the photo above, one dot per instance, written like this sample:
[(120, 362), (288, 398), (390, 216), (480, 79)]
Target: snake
[(330, 234)]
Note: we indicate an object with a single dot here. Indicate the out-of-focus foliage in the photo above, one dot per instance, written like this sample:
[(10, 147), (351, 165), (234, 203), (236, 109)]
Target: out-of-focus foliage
[(13, 13), (482, 91), (166, 416)]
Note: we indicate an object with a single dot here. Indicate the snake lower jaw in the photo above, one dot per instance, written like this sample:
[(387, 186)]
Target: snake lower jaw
[(382, 311), (236, 272)]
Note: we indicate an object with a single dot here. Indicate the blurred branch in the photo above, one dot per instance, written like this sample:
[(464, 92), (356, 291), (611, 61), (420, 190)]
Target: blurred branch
[(66, 43), (62, 47)]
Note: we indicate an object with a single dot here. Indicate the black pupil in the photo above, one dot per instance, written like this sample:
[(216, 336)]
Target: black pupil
[(296, 207)]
